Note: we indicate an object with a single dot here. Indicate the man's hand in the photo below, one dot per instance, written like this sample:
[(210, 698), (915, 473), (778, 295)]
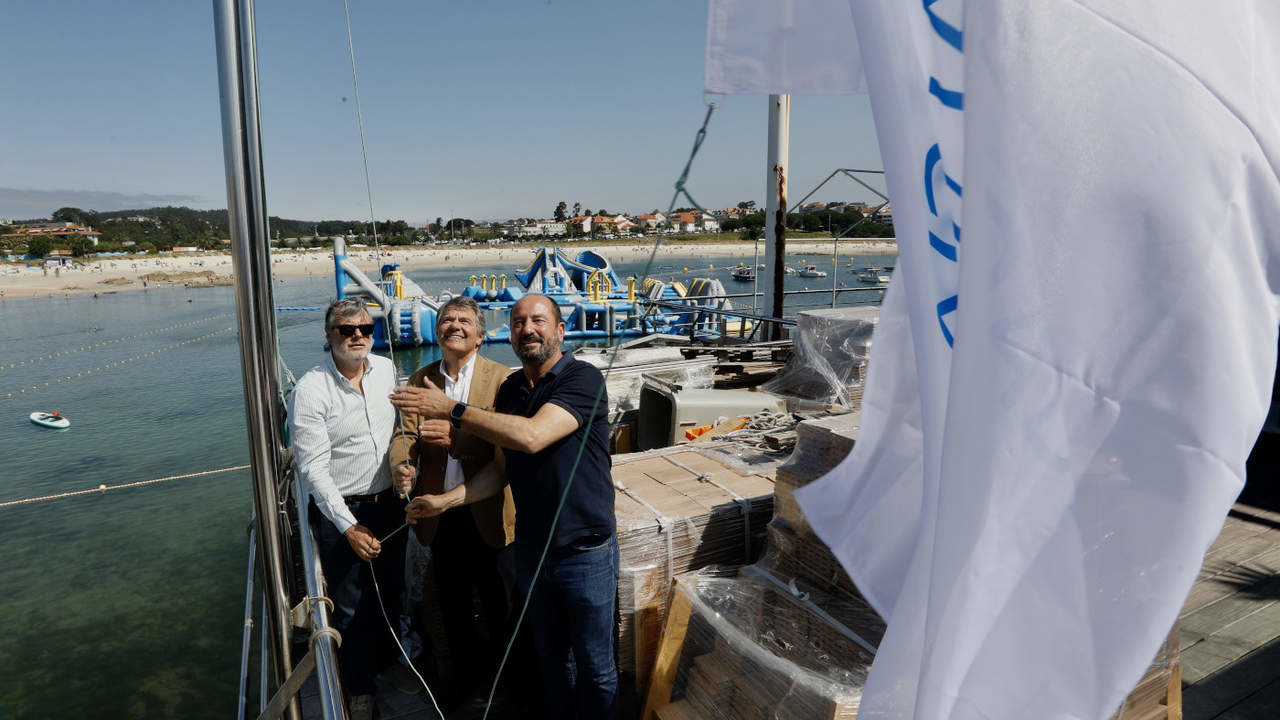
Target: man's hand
[(405, 475), (365, 545), (436, 432), (425, 506), (428, 401)]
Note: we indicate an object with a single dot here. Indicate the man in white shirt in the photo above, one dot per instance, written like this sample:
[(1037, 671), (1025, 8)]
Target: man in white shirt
[(466, 545), (341, 422)]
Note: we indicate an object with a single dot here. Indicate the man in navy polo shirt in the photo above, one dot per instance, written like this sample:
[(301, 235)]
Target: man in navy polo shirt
[(552, 425)]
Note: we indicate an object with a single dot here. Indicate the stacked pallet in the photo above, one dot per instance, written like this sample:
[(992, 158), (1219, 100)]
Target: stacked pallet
[(680, 509), (749, 647)]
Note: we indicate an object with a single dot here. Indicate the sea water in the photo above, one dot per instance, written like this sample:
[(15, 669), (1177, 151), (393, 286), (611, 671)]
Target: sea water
[(129, 603)]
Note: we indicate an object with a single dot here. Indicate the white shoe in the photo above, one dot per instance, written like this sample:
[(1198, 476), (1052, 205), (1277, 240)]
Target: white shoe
[(362, 707)]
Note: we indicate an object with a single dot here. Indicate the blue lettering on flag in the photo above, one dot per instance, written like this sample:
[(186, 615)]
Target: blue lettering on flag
[(946, 307), (934, 168), (950, 35), (949, 98)]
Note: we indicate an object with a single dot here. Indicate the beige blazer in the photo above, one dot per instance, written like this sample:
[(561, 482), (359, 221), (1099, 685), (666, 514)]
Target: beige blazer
[(495, 517)]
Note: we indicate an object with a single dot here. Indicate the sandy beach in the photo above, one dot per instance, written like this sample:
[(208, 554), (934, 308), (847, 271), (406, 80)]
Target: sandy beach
[(116, 274)]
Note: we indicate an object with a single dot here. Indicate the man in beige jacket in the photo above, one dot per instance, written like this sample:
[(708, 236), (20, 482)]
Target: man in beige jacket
[(466, 544)]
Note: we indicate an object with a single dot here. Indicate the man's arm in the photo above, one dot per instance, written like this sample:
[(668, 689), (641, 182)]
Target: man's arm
[(528, 435), (484, 484)]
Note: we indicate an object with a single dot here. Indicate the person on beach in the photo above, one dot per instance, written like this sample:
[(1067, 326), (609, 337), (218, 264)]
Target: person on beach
[(467, 547), (341, 424), (551, 422)]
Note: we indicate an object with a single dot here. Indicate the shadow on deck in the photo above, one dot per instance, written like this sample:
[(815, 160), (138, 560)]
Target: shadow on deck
[(1231, 620)]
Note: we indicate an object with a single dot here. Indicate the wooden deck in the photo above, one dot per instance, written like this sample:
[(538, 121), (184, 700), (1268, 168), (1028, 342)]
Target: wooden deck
[(1231, 622)]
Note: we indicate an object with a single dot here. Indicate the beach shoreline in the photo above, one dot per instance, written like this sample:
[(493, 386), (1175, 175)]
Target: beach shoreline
[(114, 274)]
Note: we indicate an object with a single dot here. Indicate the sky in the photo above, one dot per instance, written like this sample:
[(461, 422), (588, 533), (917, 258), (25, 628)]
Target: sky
[(482, 109)]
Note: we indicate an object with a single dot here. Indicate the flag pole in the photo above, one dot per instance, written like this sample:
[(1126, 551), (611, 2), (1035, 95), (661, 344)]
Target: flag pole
[(775, 215)]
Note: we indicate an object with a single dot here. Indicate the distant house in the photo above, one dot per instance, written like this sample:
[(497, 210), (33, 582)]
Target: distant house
[(64, 231), (651, 221), (185, 250), (812, 207), (551, 228), (686, 221)]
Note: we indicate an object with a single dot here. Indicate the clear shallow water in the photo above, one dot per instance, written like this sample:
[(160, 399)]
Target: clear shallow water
[(128, 604)]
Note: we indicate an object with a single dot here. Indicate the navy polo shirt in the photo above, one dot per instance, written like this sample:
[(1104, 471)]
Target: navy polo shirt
[(539, 480)]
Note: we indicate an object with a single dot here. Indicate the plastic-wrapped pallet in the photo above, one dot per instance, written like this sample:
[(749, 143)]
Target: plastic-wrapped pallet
[(679, 509), (752, 648), (829, 357)]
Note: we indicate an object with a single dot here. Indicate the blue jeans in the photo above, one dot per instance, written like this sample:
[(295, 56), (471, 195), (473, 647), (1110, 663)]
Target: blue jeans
[(571, 614), (367, 644)]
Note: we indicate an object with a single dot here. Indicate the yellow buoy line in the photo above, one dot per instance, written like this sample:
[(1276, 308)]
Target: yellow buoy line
[(103, 488), (105, 343), (118, 363)]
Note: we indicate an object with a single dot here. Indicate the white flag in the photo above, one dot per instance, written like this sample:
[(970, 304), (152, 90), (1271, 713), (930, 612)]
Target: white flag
[(1077, 349), (782, 46)]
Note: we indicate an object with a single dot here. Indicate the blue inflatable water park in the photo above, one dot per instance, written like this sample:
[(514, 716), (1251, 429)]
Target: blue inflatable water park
[(595, 302)]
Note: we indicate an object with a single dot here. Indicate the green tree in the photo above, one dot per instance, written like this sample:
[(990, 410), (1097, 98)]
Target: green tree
[(74, 215), (81, 246), (747, 205), (39, 246), (559, 214), (750, 234), (577, 209)]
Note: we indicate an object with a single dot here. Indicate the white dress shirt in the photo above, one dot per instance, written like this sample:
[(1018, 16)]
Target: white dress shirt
[(340, 435), (458, 391)]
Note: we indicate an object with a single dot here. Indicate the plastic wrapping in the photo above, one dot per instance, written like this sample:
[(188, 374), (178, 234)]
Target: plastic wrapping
[(829, 356), (680, 509), (754, 648)]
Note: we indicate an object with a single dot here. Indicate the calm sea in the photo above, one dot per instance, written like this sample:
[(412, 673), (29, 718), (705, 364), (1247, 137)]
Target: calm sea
[(129, 603)]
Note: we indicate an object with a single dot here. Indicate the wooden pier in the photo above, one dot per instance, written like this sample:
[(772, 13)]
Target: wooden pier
[(1231, 622)]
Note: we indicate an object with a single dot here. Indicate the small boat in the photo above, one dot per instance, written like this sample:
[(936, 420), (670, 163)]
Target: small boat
[(744, 273), (789, 270), (50, 420), (812, 271), (868, 274)]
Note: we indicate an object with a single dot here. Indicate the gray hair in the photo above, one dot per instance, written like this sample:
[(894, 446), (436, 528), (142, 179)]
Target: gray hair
[(461, 301), (343, 308)]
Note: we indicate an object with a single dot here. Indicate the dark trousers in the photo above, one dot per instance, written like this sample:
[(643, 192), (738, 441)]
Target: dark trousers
[(571, 614), (466, 570), (367, 643)]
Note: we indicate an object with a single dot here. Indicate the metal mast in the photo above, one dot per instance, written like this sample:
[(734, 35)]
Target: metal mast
[(775, 193), (246, 206)]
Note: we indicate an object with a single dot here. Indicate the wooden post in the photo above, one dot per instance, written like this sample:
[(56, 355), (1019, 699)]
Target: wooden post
[(669, 647)]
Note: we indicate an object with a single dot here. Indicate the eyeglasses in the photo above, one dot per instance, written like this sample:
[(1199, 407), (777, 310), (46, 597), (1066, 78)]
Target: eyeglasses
[(349, 330)]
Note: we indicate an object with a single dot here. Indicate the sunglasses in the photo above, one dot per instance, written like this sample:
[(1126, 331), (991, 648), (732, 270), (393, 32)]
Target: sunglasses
[(349, 330)]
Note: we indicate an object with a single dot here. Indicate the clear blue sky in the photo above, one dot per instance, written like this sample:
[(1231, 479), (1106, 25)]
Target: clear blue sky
[(488, 109)]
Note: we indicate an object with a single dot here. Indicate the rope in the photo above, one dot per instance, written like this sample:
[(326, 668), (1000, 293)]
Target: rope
[(104, 488), (118, 363), (395, 635), (105, 343)]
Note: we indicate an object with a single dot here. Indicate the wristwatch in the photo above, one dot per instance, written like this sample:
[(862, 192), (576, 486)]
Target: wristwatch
[(455, 415)]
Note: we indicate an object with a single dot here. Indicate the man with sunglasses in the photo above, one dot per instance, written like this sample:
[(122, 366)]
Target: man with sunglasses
[(341, 424)]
